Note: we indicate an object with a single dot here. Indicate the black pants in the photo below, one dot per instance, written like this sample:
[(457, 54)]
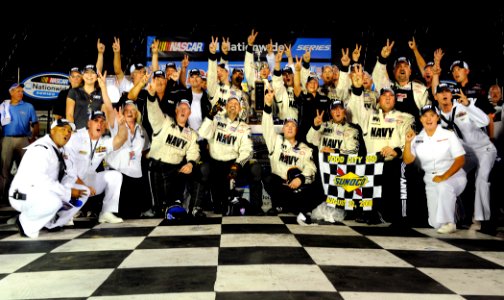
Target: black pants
[(133, 193), (289, 200), (215, 174), (167, 184), (390, 204)]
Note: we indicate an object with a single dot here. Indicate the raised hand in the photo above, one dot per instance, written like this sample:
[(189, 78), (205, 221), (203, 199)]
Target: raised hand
[(287, 49), (268, 97), (269, 47), (116, 46), (251, 38), (357, 76), (319, 119), (412, 44), (306, 55), (226, 45), (345, 59), (410, 135), (462, 98), (356, 52), (185, 61), (102, 80), (212, 47), (278, 56), (121, 119), (100, 46), (297, 66), (155, 46), (151, 88), (146, 77), (438, 55), (387, 49)]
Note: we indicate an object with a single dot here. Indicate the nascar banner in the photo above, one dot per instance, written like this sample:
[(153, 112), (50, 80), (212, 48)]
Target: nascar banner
[(197, 48), (350, 180)]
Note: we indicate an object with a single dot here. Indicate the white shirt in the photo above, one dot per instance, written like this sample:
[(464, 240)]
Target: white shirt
[(86, 154), (470, 119), (127, 159), (437, 152), (125, 85), (39, 168), (196, 118)]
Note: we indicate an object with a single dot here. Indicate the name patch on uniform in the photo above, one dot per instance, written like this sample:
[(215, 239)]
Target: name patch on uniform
[(101, 149), (460, 114)]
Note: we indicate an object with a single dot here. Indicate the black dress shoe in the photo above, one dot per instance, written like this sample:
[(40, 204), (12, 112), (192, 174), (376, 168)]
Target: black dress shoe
[(20, 228), (55, 229)]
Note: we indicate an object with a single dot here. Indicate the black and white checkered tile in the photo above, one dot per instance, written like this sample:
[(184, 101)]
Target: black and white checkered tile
[(249, 258)]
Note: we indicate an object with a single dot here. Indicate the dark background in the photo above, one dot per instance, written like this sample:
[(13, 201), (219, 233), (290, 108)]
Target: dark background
[(475, 35)]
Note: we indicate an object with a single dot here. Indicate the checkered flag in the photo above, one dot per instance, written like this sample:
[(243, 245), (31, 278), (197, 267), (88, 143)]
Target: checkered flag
[(350, 180)]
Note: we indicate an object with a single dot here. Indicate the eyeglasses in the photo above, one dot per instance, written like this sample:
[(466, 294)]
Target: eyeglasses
[(76, 76)]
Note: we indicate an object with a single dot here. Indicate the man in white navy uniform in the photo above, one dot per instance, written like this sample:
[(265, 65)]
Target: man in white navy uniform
[(467, 121), (42, 185), (86, 150)]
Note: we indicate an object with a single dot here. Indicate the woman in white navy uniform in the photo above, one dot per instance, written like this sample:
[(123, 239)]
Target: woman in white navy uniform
[(442, 157), (43, 187)]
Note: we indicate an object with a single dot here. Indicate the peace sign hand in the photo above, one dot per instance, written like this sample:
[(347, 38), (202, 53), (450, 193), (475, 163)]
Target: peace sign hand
[(212, 47), (251, 38), (462, 98), (318, 119), (345, 59), (387, 49), (356, 52)]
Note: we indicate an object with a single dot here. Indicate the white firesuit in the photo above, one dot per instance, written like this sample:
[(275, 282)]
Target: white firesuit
[(284, 156), (380, 130), (227, 140), (217, 91), (170, 143)]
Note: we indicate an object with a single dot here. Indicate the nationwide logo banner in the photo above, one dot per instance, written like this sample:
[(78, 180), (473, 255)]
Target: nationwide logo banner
[(351, 181), (45, 86), (196, 48)]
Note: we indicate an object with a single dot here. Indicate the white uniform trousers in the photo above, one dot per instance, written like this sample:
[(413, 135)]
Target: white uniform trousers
[(109, 182), (483, 160), (65, 215), (442, 196), (39, 209)]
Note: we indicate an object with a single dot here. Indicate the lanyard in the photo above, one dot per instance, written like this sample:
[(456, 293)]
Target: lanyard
[(134, 135), (92, 150)]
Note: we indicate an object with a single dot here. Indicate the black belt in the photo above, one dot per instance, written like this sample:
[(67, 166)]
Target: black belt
[(18, 196)]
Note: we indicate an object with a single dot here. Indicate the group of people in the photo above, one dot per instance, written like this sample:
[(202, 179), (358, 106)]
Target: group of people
[(172, 136)]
